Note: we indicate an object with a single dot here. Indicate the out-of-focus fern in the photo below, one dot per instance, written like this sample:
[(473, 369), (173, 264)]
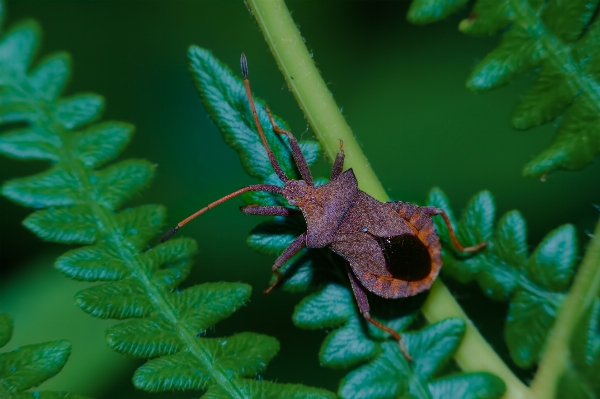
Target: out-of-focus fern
[(535, 284), (30, 365), (81, 205), (560, 38), (580, 379), (387, 373)]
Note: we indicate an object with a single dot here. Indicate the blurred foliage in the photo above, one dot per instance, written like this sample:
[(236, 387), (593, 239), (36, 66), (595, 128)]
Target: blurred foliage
[(81, 206), (30, 365), (561, 39), (580, 380)]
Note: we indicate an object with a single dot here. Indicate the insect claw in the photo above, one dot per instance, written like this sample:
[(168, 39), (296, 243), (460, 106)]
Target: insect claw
[(475, 248)]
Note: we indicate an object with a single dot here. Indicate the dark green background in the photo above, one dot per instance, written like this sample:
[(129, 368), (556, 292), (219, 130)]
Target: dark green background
[(402, 90)]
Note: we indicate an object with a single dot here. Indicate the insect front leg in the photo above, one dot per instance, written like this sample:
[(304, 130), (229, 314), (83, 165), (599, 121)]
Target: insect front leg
[(432, 211), (338, 164), (269, 210), (286, 255), (296, 152), (363, 304)]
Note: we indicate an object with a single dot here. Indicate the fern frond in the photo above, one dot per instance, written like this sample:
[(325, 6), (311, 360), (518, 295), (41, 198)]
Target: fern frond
[(535, 284), (30, 365), (581, 376), (81, 204), (387, 375), (559, 38)]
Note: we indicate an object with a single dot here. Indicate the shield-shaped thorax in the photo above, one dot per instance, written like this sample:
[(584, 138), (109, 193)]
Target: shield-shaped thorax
[(325, 206)]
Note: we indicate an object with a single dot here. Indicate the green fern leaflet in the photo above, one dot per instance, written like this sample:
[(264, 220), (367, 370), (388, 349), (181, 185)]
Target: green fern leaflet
[(559, 38), (80, 201), (30, 365)]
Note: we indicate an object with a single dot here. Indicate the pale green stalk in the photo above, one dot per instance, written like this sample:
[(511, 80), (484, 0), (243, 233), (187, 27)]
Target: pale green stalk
[(584, 291), (326, 120)]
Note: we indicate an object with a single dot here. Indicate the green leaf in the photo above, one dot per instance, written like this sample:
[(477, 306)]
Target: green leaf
[(174, 255), (432, 347), (516, 54), (148, 337), (567, 19), (551, 264), (6, 329), (55, 187), (102, 142), (93, 263), (548, 98), (469, 386), (241, 354), (269, 390), (18, 47), (427, 11), (140, 224), (486, 18), (30, 365), (580, 379), (330, 307), (66, 225), (30, 143), (82, 207), (50, 77), (389, 375), (49, 395), (576, 143), (224, 97), (274, 236), (559, 37), (121, 299), (79, 109), (530, 317), (534, 284), (121, 181), (203, 305)]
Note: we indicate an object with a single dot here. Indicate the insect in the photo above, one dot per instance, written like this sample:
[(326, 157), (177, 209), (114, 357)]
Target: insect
[(391, 248)]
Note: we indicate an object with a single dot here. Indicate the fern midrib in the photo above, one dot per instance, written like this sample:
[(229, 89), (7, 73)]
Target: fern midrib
[(556, 51), (106, 223), (108, 228)]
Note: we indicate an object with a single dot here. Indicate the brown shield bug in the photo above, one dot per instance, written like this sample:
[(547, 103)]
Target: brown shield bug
[(391, 248)]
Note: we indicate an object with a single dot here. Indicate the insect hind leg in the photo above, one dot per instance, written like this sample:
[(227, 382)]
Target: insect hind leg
[(432, 211), (365, 310)]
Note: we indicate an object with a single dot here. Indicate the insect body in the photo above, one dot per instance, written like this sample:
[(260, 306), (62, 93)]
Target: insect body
[(391, 249)]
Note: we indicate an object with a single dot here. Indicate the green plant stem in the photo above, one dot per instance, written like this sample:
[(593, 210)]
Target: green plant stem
[(326, 120), (584, 291)]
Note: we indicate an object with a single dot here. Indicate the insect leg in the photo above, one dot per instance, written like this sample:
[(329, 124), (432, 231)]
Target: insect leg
[(296, 152), (338, 165), (432, 210), (269, 210), (286, 255), (278, 171), (363, 305)]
